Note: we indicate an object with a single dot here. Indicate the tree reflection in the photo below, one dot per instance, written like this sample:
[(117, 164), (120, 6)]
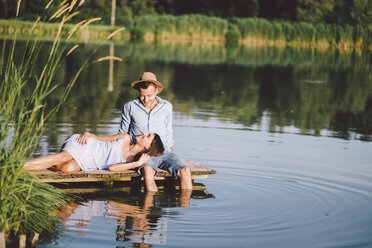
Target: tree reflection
[(310, 89), (311, 95)]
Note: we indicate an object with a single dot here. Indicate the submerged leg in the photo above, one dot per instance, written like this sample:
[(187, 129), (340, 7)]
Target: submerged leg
[(45, 162), (185, 197), (149, 175)]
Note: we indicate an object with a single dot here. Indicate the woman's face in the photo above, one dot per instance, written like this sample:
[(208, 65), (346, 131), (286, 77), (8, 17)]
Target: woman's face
[(145, 140)]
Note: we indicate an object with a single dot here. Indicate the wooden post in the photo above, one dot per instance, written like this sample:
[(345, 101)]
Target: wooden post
[(111, 62), (111, 69), (22, 241), (113, 7), (2, 240), (34, 239)]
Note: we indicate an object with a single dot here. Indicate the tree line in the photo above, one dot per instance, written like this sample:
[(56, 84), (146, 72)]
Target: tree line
[(351, 12)]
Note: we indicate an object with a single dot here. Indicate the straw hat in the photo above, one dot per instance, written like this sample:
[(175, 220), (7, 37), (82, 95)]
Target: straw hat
[(148, 77)]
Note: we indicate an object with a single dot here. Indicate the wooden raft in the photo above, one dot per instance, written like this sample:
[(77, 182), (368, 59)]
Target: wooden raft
[(54, 176)]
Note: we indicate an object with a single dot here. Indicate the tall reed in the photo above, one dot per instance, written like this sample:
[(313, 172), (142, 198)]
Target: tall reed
[(27, 204), (188, 27), (206, 28), (256, 31)]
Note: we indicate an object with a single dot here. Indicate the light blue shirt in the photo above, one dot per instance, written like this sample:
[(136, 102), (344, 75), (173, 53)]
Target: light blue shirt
[(135, 120)]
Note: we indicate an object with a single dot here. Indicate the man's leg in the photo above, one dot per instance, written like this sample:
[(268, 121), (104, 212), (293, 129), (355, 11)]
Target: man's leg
[(178, 168), (148, 170), (185, 177), (149, 175), (185, 197)]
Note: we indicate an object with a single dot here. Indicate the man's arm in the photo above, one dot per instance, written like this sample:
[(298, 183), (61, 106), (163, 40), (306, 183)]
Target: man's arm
[(169, 127), (125, 119)]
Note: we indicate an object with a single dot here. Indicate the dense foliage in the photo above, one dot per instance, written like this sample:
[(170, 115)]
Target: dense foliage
[(350, 12)]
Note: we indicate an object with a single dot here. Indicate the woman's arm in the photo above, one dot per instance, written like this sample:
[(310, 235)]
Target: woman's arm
[(113, 137), (131, 165), (83, 139)]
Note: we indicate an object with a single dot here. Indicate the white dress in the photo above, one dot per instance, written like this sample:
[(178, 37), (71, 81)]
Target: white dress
[(96, 154)]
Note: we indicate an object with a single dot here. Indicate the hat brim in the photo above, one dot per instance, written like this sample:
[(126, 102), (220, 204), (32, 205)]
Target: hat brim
[(160, 87)]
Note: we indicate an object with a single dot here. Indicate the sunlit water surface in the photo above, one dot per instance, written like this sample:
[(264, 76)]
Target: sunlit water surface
[(270, 190), (291, 170)]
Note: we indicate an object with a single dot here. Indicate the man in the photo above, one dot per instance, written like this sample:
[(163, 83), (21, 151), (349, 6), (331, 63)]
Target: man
[(151, 114)]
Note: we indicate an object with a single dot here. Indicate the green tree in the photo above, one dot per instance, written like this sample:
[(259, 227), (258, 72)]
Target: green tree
[(3, 8), (278, 9), (341, 12), (314, 10), (221, 8), (361, 12)]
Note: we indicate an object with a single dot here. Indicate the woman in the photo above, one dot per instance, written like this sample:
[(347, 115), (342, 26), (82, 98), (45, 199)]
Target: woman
[(90, 152)]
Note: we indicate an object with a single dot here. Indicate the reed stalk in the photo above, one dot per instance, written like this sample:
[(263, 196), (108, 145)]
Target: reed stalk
[(253, 31), (27, 204)]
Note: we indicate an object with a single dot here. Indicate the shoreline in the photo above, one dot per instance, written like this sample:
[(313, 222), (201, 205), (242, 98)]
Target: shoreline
[(24, 30)]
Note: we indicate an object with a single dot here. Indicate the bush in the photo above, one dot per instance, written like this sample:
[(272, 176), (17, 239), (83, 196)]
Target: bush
[(137, 33), (232, 37)]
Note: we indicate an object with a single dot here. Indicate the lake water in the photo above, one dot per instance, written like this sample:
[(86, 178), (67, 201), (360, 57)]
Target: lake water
[(288, 131)]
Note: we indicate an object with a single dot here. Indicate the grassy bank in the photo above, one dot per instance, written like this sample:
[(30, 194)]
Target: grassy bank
[(247, 31), (254, 31), (48, 31)]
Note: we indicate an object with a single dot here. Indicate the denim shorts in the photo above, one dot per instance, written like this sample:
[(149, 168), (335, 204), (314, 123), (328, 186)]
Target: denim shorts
[(168, 161)]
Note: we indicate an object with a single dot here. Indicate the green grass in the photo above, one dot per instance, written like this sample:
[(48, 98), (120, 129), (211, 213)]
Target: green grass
[(48, 31)]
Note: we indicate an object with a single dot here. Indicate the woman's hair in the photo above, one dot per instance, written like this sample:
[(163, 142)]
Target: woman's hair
[(156, 148)]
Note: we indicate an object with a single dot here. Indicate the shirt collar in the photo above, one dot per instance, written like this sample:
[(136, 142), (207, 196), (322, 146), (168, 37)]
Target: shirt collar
[(139, 103)]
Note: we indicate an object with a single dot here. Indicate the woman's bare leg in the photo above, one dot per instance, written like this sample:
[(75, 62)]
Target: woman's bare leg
[(45, 162), (70, 167)]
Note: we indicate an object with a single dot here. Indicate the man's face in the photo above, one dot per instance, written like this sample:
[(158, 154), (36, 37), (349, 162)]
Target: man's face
[(147, 96)]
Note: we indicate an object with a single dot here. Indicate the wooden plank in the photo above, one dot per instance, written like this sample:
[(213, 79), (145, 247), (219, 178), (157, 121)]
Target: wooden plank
[(54, 176), (77, 190)]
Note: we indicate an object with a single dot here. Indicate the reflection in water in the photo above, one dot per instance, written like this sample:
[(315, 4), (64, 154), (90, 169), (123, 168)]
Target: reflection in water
[(309, 89), (134, 224), (135, 218), (77, 217), (111, 69)]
